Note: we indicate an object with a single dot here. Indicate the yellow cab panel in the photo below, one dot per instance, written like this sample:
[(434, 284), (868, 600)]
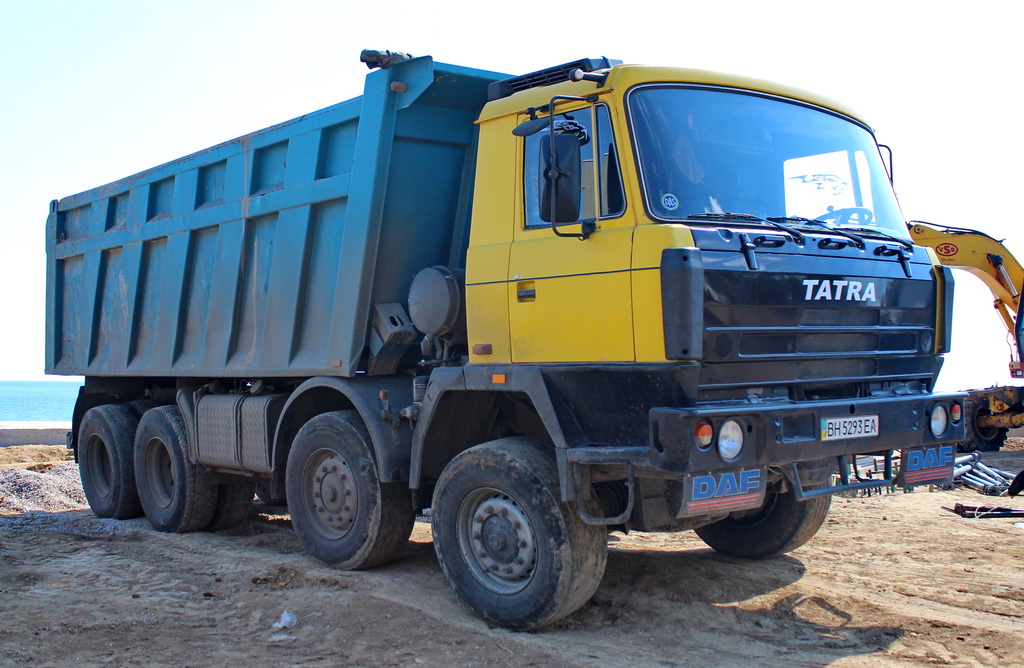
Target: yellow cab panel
[(490, 241), (570, 298)]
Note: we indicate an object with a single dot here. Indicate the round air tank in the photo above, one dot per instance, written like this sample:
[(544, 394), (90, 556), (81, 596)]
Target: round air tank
[(437, 303)]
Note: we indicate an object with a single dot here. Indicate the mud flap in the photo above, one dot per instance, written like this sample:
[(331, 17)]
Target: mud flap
[(929, 465), (723, 491)]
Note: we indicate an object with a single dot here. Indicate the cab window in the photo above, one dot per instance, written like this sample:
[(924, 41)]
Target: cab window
[(602, 189)]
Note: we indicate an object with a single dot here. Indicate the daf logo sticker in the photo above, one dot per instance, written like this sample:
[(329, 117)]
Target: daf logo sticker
[(836, 290)]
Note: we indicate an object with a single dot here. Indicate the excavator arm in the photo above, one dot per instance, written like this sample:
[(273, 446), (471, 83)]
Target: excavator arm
[(992, 411), (986, 258)]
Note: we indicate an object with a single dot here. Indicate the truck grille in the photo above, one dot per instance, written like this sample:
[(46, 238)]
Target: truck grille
[(798, 321), (753, 336)]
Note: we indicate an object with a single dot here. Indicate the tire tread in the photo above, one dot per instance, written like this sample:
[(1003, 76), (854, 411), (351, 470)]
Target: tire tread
[(194, 501), (390, 523), (531, 463), (116, 425), (789, 524), (234, 500)]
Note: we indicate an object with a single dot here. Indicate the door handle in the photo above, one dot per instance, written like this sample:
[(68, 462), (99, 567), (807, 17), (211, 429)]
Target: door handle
[(526, 291)]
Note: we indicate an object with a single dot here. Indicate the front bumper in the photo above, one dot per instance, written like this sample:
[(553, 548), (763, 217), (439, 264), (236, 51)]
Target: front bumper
[(780, 436), (788, 433)]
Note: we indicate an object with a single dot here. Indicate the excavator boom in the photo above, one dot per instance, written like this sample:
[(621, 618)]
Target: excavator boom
[(988, 259), (990, 412)]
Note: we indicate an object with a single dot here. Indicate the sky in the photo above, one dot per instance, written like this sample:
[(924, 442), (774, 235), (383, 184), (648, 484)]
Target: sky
[(97, 90)]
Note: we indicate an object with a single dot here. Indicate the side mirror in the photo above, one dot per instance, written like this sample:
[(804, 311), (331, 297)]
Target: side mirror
[(561, 171)]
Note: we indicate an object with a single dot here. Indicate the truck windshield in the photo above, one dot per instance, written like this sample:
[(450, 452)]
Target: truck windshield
[(709, 150)]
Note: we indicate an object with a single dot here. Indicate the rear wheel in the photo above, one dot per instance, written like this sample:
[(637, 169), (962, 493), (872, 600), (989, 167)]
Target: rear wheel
[(341, 511), (512, 550), (106, 461), (780, 525), (234, 500), (169, 487), (139, 407), (984, 439), (265, 493)]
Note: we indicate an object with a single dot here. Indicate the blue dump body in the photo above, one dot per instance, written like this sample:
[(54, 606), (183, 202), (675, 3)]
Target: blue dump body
[(265, 255)]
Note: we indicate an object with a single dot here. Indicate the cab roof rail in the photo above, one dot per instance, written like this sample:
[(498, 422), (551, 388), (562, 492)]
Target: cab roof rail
[(546, 77)]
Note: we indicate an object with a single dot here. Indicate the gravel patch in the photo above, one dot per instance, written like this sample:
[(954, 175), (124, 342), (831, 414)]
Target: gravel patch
[(54, 501), (60, 489)]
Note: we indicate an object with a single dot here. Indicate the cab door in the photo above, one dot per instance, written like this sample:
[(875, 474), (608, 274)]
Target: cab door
[(569, 299)]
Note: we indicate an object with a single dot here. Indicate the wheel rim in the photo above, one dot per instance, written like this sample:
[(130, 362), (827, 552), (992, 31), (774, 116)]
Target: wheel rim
[(329, 491), (986, 433), (99, 465), (160, 473), (497, 541)]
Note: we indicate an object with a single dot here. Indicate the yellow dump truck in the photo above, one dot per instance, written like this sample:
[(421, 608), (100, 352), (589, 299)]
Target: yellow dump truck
[(596, 297)]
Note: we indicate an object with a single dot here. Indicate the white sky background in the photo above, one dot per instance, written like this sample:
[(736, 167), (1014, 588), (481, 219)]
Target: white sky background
[(95, 91)]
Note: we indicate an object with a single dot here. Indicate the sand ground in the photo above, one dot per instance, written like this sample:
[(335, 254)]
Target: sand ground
[(889, 580)]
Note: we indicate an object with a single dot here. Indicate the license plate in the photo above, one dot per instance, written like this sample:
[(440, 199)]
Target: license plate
[(861, 426)]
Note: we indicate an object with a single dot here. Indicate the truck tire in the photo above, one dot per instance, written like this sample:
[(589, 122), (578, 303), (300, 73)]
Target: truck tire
[(512, 550), (106, 461), (780, 525), (982, 439), (234, 500), (139, 407), (341, 512), (169, 487), (265, 493)]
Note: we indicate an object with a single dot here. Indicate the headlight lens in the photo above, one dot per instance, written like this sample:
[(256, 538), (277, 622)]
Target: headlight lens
[(939, 421), (730, 439)]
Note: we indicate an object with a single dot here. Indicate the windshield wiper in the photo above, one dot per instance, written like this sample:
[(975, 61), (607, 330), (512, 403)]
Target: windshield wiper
[(859, 242), (871, 231), (903, 251), (797, 235)]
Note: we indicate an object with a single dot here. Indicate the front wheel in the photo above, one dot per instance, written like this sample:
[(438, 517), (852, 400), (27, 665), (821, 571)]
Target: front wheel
[(780, 525), (342, 513), (512, 550)]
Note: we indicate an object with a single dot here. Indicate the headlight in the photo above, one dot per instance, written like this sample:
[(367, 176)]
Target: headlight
[(939, 421), (730, 440), (927, 342)]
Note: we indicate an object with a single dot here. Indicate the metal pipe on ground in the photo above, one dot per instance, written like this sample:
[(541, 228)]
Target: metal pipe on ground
[(991, 479), (985, 486), (970, 457), (989, 471), (960, 470)]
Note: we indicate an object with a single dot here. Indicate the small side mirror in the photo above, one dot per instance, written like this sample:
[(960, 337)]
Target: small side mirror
[(531, 127), (561, 173)]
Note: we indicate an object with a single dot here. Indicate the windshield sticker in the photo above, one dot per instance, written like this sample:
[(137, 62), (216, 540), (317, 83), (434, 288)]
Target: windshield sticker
[(823, 182), (826, 181), (670, 201)]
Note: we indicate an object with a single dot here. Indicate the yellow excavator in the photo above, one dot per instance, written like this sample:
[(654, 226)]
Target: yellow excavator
[(989, 412)]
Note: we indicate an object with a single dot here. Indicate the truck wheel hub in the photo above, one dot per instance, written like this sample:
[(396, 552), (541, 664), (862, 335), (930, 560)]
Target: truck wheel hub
[(334, 497), (501, 550)]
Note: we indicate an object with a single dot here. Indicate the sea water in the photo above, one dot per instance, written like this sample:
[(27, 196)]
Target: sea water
[(37, 400)]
